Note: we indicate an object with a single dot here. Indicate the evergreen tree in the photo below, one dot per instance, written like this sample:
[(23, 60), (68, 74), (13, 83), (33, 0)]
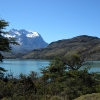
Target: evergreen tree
[(5, 41)]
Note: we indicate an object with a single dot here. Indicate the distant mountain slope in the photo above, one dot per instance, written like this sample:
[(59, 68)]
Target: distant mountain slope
[(88, 45)]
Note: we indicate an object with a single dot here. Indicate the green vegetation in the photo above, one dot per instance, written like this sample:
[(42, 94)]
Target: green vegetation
[(93, 96), (4, 41), (57, 82)]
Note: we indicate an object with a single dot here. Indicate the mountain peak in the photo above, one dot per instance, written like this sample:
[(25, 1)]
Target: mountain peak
[(27, 39), (13, 30), (32, 34), (28, 33)]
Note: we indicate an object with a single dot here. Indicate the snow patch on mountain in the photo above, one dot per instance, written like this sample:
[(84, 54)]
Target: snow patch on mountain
[(28, 33), (32, 34)]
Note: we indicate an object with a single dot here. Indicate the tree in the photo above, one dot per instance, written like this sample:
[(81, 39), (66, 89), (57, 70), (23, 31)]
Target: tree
[(2, 70), (53, 76), (1, 57), (56, 68), (74, 61), (5, 41)]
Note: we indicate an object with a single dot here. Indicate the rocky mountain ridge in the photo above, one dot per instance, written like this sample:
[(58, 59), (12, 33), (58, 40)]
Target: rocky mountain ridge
[(28, 40)]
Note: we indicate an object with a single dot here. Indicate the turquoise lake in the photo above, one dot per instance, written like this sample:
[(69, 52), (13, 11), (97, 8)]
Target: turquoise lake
[(16, 66), (23, 66)]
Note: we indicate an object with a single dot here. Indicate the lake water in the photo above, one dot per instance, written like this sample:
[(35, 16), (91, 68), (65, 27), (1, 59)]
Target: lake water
[(25, 66)]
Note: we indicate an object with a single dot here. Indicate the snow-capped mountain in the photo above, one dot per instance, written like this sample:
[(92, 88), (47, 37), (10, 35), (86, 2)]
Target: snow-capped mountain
[(28, 40)]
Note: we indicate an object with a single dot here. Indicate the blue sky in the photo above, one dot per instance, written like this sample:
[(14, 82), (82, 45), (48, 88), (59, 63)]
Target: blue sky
[(53, 19)]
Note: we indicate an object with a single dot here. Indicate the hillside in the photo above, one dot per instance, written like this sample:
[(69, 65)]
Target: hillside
[(94, 96), (88, 45)]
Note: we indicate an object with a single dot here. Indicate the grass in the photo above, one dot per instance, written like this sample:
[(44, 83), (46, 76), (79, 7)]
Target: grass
[(93, 96)]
